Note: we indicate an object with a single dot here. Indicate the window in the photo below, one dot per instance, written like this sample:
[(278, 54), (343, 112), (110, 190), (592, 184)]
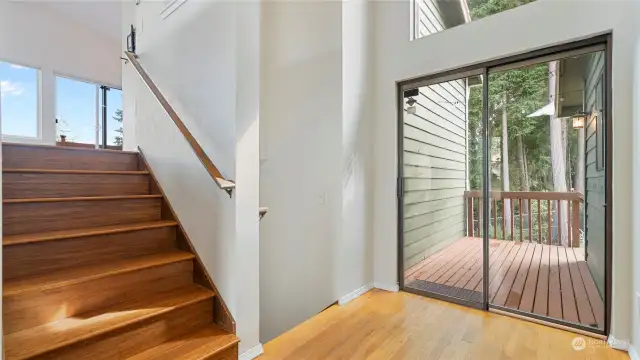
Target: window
[(19, 100), (432, 16)]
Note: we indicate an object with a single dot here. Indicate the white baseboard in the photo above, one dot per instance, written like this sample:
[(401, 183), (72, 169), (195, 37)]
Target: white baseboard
[(354, 294), (252, 353), (388, 287), (632, 353), (618, 344)]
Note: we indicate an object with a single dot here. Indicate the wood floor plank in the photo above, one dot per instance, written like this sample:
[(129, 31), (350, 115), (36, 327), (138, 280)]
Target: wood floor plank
[(555, 295), (469, 269), (541, 302), (531, 282), (517, 288), (477, 270), (417, 270), (445, 272), (443, 260), (410, 327), (585, 313), (500, 270), (569, 309), (476, 282), (510, 272), (592, 291)]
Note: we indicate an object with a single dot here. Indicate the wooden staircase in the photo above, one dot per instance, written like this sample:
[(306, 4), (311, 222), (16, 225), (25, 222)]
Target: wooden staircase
[(96, 265)]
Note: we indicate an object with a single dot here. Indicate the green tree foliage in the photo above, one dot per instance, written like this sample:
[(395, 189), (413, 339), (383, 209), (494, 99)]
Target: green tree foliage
[(118, 138)]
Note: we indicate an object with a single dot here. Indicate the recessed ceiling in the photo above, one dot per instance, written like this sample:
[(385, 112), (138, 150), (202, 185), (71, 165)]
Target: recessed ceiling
[(101, 16)]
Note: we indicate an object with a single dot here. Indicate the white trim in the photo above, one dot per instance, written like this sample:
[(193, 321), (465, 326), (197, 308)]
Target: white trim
[(171, 8), (388, 287), (632, 353), (618, 344), (355, 294), (252, 353)]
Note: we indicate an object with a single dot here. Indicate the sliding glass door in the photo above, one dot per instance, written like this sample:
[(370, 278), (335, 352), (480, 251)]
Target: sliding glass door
[(503, 186), (441, 222)]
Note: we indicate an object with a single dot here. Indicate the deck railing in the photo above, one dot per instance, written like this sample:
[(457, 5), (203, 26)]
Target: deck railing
[(551, 218)]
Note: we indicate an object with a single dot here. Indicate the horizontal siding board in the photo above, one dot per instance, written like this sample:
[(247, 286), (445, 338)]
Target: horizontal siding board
[(432, 112), (451, 232), (413, 197), (429, 138), (421, 221), (452, 106), (414, 146), (431, 11), (432, 161), (423, 172), (432, 184), (430, 123), (421, 208)]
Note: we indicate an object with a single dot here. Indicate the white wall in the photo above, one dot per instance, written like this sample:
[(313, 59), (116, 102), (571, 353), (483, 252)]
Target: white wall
[(300, 113), (33, 35), (315, 245), (515, 31), (205, 59), (354, 266), (635, 293)]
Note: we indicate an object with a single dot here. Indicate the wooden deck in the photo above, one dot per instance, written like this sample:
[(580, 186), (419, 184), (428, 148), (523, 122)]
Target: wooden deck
[(547, 280)]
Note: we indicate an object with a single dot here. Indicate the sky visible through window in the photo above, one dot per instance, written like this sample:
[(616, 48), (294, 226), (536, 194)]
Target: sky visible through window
[(75, 106)]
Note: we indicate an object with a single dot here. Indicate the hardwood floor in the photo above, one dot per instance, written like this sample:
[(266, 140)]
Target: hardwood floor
[(403, 326), (547, 280)]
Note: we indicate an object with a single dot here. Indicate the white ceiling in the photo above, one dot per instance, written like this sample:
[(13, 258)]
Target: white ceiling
[(99, 15)]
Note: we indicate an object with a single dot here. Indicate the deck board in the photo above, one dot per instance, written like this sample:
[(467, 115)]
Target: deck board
[(548, 280)]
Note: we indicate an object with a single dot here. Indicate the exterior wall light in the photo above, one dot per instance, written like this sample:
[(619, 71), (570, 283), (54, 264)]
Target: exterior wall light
[(579, 119)]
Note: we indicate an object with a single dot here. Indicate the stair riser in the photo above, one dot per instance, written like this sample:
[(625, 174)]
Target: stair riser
[(22, 218), (47, 185), (229, 354), (52, 158), (41, 257), (137, 337), (30, 309)]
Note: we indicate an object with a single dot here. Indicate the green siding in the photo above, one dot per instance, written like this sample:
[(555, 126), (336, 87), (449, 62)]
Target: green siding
[(595, 187)]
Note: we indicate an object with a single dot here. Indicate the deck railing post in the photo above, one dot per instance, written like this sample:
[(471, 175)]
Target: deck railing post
[(469, 215)]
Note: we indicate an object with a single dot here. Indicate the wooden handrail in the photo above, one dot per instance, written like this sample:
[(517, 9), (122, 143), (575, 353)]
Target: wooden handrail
[(224, 184), (509, 228)]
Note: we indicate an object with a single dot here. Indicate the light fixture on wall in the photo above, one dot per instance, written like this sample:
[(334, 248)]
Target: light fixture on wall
[(579, 119), (411, 109)]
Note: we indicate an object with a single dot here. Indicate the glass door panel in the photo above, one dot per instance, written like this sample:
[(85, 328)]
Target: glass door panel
[(547, 179), (76, 112), (112, 124), (441, 202)]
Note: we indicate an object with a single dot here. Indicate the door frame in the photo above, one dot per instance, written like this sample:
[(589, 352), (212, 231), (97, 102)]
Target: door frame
[(536, 56)]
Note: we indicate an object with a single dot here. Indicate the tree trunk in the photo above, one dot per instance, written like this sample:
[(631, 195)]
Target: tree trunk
[(505, 167), (524, 181), (558, 159)]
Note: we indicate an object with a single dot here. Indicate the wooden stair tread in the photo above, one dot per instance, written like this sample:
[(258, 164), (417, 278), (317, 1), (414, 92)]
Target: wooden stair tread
[(39, 340), (58, 147), (65, 277), (75, 233), (65, 171), (199, 344), (81, 198)]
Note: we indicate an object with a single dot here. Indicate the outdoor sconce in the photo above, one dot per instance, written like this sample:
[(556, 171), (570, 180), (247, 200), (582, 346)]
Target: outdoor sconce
[(411, 109), (579, 119)]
